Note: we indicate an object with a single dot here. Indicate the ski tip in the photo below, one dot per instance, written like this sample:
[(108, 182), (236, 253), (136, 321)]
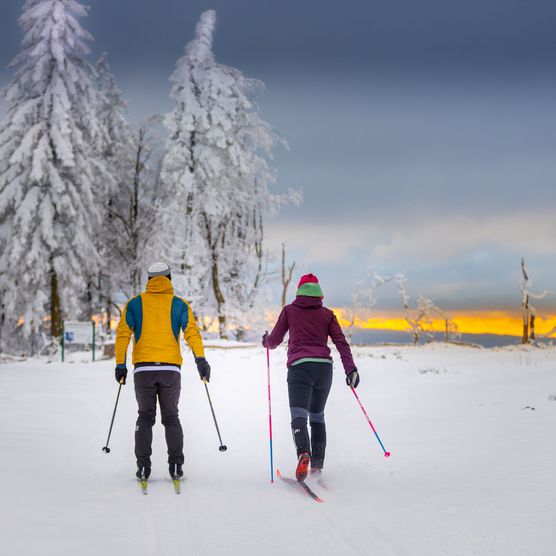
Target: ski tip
[(143, 484)]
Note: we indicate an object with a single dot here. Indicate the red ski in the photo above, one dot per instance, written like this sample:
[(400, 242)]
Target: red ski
[(303, 486)]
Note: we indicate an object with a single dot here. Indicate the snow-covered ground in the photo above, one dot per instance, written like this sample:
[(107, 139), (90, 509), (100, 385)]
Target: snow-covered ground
[(472, 469)]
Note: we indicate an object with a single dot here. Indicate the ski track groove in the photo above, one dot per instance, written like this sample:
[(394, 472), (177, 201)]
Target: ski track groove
[(184, 523), (150, 521), (382, 539), (167, 521)]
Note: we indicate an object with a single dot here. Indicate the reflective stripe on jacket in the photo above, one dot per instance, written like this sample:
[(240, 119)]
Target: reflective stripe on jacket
[(155, 318)]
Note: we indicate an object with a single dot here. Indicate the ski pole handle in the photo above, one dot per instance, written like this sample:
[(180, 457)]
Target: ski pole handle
[(386, 454)]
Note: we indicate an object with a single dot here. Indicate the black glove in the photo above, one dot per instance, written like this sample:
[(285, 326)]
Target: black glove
[(352, 378), (121, 373), (265, 338), (203, 367)]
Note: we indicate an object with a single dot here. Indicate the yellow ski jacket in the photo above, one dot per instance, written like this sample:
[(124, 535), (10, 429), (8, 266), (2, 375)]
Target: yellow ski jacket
[(155, 318)]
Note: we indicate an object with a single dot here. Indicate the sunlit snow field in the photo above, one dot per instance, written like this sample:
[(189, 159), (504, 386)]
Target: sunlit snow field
[(472, 470)]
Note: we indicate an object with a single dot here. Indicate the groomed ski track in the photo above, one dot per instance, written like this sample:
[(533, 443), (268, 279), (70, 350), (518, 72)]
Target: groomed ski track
[(471, 470)]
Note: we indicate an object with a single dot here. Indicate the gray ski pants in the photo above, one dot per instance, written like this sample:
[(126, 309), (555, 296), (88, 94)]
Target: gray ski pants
[(166, 386)]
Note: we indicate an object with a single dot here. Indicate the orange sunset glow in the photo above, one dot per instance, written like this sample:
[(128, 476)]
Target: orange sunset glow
[(468, 322)]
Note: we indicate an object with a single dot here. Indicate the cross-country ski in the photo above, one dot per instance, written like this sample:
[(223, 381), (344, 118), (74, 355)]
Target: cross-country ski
[(303, 486), (177, 485)]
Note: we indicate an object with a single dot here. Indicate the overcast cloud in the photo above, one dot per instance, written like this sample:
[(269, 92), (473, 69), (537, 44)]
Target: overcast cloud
[(423, 134)]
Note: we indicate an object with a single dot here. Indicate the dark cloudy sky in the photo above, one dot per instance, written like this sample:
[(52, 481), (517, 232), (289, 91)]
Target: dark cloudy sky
[(422, 132)]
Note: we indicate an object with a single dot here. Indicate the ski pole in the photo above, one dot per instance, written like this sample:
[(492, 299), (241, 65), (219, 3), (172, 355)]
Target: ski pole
[(386, 454), (222, 447), (106, 449), (269, 415)]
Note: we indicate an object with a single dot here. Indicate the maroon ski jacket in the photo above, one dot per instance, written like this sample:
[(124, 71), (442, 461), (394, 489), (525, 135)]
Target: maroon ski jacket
[(310, 324)]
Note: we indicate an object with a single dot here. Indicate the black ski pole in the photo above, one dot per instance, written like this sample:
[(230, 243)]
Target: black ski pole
[(106, 449), (222, 447)]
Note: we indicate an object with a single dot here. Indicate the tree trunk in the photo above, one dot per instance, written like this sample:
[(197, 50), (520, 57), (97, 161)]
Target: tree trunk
[(286, 276), (108, 316), (90, 309), (55, 306), (525, 336), (2, 320), (218, 295), (532, 328)]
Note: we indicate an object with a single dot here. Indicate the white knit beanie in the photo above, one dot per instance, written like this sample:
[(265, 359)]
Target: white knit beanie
[(158, 269)]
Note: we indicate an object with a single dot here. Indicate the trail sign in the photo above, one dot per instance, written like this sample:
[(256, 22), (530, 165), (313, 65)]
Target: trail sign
[(82, 333)]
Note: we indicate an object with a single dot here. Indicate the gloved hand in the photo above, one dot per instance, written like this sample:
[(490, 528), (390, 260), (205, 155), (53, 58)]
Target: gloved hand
[(352, 378), (203, 367), (265, 339), (121, 373)]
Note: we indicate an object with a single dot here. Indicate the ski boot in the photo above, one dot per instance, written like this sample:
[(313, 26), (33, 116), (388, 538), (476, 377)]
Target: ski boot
[(176, 471), (143, 473), (302, 466)]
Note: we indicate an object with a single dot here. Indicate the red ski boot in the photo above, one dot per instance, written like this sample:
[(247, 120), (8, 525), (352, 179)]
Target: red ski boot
[(302, 466)]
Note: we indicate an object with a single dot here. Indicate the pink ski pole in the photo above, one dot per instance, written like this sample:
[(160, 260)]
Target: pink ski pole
[(269, 415), (386, 454)]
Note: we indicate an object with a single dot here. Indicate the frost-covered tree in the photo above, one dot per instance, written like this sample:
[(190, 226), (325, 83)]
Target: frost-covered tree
[(134, 225), (364, 295), (111, 113), (117, 150), (420, 320), (217, 162), (425, 314), (415, 320), (50, 170), (528, 311)]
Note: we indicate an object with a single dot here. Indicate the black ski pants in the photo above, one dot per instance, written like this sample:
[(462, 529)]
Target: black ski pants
[(166, 386), (308, 388)]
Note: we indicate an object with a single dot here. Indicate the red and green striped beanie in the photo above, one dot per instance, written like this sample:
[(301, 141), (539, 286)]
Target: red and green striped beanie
[(309, 286)]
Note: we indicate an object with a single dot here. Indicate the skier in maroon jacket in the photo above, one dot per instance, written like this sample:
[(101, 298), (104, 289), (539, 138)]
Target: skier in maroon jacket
[(310, 368)]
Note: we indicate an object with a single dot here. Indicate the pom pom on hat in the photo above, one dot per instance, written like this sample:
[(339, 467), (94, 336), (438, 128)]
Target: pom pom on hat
[(308, 278), (309, 286)]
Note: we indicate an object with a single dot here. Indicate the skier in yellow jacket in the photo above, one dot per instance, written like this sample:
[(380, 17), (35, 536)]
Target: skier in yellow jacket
[(155, 319)]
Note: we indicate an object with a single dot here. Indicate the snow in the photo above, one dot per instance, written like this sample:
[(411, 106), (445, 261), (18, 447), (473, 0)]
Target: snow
[(471, 471)]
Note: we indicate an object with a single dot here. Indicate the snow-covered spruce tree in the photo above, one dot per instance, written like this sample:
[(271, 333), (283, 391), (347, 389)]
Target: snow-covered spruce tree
[(217, 162), (50, 170)]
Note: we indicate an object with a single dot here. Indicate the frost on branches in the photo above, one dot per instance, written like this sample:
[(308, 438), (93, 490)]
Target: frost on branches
[(420, 321), (528, 311), (49, 167), (128, 238), (217, 163), (133, 227)]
